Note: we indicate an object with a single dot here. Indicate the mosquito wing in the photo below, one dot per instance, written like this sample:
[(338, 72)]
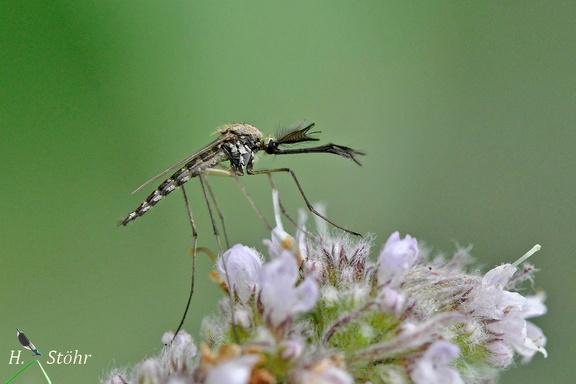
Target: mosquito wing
[(210, 147)]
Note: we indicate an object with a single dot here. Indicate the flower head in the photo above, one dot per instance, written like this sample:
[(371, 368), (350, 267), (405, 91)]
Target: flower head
[(320, 311)]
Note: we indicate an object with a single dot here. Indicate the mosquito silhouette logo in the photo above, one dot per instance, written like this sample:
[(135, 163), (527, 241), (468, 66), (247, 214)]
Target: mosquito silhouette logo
[(238, 144), (26, 342)]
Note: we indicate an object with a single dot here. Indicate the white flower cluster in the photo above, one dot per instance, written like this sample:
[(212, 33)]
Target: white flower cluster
[(321, 312)]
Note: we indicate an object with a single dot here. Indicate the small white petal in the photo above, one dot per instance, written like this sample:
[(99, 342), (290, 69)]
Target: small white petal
[(535, 306), (392, 301), (434, 366), (150, 371), (499, 276), (535, 339), (281, 241), (328, 375), (305, 296), (236, 371)]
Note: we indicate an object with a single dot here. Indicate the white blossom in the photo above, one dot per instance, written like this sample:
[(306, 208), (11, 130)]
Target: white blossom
[(396, 257), (506, 312), (239, 267), (434, 365), (281, 299)]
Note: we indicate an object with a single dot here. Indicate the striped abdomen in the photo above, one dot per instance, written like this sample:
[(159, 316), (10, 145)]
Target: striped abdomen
[(192, 169)]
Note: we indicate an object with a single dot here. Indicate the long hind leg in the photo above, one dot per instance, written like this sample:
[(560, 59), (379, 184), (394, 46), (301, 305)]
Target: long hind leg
[(194, 250)]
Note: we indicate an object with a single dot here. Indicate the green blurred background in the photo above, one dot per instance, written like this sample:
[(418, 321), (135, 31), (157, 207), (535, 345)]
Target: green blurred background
[(465, 109)]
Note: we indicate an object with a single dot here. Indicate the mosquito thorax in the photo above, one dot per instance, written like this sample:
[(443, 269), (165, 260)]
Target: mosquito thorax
[(243, 131)]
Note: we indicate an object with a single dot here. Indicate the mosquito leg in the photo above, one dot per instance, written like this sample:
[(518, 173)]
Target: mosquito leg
[(228, 173), (285, 212), (251, 201), (308, 204), (194, 249), (220, 215), (215, 228), (282, 208), (244, 191)]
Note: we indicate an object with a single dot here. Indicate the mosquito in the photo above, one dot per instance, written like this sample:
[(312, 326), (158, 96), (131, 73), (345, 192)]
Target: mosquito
[(237, 143)]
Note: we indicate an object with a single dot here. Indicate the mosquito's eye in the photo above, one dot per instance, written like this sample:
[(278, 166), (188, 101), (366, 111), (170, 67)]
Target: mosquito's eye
[(272, 147)]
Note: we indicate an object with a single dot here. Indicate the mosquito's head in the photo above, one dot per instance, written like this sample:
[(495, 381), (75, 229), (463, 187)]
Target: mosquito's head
[(270, 145)]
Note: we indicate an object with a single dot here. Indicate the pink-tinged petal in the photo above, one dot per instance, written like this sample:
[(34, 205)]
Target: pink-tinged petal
[(392, 301), (292, 349), (499, 276), (282, 270), (240, 267), (305, 296), (281, 300), (397, 256), (434, 365), (502, 355)]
